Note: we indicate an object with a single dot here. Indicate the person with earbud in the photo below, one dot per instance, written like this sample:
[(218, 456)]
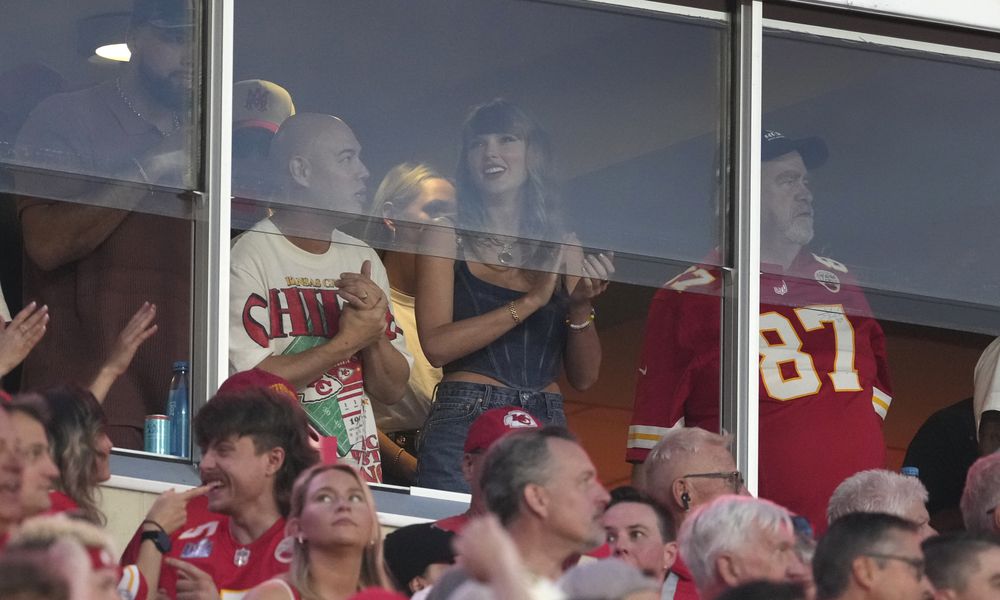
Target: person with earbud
[(688, 468)]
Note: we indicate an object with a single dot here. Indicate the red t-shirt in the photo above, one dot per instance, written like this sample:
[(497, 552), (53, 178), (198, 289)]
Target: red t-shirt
[(61, 503), (454, 523), (824, 386), (685, 589)]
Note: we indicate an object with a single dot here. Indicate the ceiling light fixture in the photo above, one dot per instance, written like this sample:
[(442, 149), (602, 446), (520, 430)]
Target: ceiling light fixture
[(116, 52)]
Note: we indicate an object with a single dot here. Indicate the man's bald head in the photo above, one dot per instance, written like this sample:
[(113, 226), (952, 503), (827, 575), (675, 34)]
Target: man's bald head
[(317, 162), (299, 135), (687, 451)]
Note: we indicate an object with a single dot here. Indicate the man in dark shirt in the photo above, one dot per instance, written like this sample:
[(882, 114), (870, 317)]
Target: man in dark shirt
[(97, 247)]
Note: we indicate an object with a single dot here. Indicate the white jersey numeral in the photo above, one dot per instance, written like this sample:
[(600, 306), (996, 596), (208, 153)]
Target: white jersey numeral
[(690, 278), (788, 349), (203, 530)]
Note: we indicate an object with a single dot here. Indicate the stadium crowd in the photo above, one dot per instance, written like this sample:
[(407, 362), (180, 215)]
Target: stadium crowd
[(271, 520), (437, 362)]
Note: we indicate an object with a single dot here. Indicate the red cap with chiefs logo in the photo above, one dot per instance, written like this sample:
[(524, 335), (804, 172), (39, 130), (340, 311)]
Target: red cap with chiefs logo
[(496, 423), (258, 378)]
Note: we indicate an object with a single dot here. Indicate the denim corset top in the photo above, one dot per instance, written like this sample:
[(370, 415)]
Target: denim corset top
[(527, 357)]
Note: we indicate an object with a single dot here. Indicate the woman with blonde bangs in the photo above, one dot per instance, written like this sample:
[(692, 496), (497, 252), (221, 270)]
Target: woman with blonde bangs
[(338, 540)]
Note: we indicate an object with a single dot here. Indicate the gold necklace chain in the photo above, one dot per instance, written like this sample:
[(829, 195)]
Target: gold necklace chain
[(131, 106)]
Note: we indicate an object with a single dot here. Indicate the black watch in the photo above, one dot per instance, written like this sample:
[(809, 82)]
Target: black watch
[(160, 538)]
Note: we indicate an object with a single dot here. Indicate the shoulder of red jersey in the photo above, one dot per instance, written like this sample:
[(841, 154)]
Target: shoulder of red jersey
[(697, 278), (827, 272)]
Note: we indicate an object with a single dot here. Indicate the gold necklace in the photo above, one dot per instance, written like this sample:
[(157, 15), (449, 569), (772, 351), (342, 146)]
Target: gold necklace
[(131, 106)]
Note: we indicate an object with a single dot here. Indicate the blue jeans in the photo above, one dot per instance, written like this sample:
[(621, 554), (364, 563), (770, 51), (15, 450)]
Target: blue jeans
[(456, 405)]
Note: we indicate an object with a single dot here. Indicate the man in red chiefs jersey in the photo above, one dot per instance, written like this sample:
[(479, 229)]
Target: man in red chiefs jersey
[(824, 382), (254, 444)]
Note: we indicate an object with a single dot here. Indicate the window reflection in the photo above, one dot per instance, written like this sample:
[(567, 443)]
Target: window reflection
[(103, 233), (622, 184), (899, 241)]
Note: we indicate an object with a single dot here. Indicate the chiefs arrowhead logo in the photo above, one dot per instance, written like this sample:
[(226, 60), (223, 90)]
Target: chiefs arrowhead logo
[(517, 419)]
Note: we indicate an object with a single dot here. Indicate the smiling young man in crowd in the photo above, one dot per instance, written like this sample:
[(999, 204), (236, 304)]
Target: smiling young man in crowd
[(254, 444)]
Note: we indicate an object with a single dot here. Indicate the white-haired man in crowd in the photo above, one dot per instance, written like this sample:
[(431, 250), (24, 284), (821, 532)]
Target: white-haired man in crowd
[(981, 496), (737, 539), (882, 491)]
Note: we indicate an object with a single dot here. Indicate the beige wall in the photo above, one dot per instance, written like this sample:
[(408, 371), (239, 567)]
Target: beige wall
[(124, 509)]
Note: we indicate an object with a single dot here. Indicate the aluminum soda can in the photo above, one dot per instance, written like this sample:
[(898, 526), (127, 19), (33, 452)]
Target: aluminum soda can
[(157, 434)]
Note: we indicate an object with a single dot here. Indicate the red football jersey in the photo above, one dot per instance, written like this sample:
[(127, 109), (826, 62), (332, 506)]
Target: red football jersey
[(824, 381), (206, 543)]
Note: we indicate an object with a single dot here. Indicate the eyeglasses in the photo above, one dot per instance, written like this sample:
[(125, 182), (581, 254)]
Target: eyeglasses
[(916, 563), (733, 478)]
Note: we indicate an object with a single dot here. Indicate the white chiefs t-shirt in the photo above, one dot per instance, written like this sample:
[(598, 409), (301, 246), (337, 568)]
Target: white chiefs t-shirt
[(283, 301)]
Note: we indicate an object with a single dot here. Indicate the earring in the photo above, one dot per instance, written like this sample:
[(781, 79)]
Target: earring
[(299, 539), (686, 500)]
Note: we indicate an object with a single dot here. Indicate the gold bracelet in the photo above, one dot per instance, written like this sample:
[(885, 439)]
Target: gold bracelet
[(513, 312), (395, 461)]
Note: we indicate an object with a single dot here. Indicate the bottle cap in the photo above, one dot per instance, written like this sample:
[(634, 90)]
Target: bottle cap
[(181, 365)]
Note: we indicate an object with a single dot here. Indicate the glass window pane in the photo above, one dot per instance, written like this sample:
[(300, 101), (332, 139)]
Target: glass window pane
[(876, 238), (96, 160), (596, 130)]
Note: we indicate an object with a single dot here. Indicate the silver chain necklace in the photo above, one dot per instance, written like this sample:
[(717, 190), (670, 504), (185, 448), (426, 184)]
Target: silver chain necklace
[(131, 107)]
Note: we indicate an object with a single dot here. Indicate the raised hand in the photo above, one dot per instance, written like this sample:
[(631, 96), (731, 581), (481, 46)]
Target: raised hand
[(20, 336), (597, 270), (139, 329), (363, 314)]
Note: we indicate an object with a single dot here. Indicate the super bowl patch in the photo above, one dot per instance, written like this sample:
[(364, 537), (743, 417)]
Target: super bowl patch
[(200, 549)]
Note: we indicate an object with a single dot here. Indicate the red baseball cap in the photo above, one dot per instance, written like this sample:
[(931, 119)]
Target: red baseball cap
[(496, 423), (258, 378)]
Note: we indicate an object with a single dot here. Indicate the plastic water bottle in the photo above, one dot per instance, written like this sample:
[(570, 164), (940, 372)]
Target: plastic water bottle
[(179, 411), (910, 471)]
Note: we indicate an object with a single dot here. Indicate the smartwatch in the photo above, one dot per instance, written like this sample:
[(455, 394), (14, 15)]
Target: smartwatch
[(160, 538)]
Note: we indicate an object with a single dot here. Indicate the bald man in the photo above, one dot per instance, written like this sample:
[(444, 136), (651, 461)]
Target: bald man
[(309, 302)]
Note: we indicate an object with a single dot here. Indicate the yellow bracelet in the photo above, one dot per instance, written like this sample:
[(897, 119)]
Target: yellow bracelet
[(513, 312)]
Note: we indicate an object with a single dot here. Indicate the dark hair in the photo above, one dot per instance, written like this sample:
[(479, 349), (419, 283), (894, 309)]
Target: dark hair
[(951, 558), (514, 461), (539, 192), (664, 522), (29, 574), (765, 590), (33, 406), (76, 421), (849, 537), (271, 420)]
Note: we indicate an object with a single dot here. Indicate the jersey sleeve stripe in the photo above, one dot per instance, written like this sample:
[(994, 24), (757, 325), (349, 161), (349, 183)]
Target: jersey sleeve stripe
[(881, 402), (128, 585), (647, 436)]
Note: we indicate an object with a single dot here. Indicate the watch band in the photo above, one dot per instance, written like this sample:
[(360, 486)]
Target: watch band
[(159, 538)]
